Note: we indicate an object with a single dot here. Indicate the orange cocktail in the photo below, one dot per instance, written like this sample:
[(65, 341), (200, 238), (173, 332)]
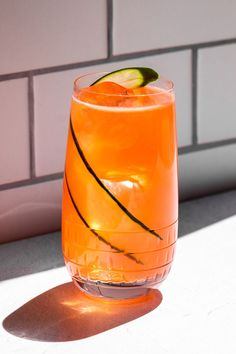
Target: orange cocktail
[(120, 195)]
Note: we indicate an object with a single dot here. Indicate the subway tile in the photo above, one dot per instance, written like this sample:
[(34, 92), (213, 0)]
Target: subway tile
[(207, 171), (14, 131), (52, 109), (31, 210), (158, 24), (36, 34), (216, 93), (52, 104)]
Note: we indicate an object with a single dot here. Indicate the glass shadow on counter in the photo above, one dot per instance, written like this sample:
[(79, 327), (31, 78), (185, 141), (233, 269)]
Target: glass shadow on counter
[(64, 313)]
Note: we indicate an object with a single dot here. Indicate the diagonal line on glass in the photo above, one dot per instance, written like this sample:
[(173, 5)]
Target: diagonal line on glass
[(129, 255), (91, 171)]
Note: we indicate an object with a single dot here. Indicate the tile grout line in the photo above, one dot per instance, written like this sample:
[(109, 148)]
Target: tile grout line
[(114, 58), (109, 28), (31, 125), (59, 175), (206, 146), (194, 95), (31, 181)]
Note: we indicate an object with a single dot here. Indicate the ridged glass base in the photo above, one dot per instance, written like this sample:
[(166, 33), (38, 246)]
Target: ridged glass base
[(118, 291), (143, 262)]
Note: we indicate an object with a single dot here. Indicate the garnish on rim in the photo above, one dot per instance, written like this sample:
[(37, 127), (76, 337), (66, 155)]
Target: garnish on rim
[(130, 77)]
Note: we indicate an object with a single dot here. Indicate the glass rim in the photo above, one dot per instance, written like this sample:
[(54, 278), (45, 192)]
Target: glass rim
[(161, 78)]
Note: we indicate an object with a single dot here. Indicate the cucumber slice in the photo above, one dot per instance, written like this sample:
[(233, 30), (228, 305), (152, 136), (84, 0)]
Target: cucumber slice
[(130, 77)]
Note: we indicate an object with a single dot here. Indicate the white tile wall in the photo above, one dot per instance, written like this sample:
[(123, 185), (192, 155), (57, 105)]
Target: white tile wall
[(52, 101), (14, 131), (52, 109), (207, 171), (35, 34), (217, 93), (50, 33), (30, 210), (146, 24)]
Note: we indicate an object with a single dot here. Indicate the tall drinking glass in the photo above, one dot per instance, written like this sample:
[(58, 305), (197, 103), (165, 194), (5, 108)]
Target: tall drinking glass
[(120, 189)]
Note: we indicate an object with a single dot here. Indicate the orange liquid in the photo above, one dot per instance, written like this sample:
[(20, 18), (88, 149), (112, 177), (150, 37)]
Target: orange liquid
[(120, 199)]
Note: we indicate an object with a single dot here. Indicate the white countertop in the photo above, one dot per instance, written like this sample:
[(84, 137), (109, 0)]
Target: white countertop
[(194, 312)]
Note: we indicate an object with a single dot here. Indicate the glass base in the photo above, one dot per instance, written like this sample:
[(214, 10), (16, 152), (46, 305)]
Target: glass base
[(119, 291)]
